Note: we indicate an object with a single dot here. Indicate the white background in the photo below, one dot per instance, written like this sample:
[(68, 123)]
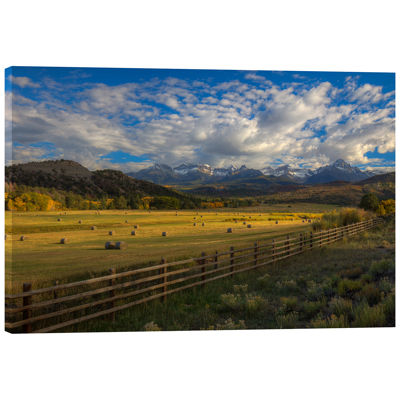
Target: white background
[(280, 35)]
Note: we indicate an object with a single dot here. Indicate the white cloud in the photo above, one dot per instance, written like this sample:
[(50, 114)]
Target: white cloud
[(174, 120), (23, 82)]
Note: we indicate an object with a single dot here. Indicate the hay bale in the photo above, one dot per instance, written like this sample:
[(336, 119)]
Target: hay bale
[(63, 241), (303, 221), (126, 221), (202, 224), (110, 245), (22, 238), (121, 246), (276, 222), (133, 233), (58, 219), (244, 222), (309, 221), (164, 234), (249, 225), (136, 226), (111, 233), (229, 230), (93, 228), (80, 221), (194, 224)]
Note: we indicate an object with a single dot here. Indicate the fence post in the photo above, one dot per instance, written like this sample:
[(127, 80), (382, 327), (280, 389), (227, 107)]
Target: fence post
[(255, 253), (55, 296), (164, 280), (232, 253), (111, 282), (216, 260), (27, 301), (311, 240), (287, 244), (301, 242), (203, 268), (273, 251)]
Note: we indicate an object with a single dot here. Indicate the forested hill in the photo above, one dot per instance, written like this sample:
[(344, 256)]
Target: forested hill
[(70, 176)]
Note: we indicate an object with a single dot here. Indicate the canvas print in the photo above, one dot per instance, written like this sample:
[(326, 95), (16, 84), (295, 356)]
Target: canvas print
[(159, 200)]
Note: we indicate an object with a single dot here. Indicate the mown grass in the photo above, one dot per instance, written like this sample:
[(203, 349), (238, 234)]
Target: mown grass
[(41, 259), (347, 284)]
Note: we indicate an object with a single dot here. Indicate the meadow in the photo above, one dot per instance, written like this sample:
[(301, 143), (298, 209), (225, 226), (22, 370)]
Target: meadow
[(350, 283), (41, 259)]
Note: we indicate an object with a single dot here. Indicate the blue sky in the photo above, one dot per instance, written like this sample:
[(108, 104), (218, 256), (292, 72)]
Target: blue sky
[(129, 119)]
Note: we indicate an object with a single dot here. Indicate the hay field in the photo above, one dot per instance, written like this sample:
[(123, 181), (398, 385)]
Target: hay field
[(41, 259)]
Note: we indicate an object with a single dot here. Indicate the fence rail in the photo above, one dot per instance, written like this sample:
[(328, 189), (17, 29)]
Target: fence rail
[(61, 305)]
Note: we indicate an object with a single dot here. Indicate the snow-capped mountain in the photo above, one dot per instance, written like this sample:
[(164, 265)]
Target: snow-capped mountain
[(297, 174), (338, 171), (204, 173)]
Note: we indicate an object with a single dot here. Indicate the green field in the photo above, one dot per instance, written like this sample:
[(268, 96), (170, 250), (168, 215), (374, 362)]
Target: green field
[(41, 259)]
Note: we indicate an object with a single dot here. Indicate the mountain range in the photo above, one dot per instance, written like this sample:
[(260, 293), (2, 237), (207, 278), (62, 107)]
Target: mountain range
[(205, 174)]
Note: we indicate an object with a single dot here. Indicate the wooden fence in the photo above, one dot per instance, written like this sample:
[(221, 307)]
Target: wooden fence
[(52, 308)]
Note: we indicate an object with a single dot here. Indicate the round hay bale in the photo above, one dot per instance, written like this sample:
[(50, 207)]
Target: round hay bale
[(229, 230), (244, 222), (80, 221), (164, 234), (202, 224), (249, 225), (303, 221), (110, 245), (111, 233), (93, 228), (276, 222), (63, 241), (58, 219), (126, 221), (309, 221), (136, 226), (121, 246), (133, 233), (194, 224), (22, 238)]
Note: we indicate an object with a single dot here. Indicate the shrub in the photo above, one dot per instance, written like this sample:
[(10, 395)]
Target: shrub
[(389, 308), (151, 326), (301, 282), (229, 324), (240, 288), (382, 268), (289, 304), (366, 316), (341, 307), (352, 273), (369, 202), (264, 280), (371, 294), (311, 308), (366, 278), (385, 285), (232, 301), (254, 303), (314, 292), (347, 287), (287, 321), (331, 322)]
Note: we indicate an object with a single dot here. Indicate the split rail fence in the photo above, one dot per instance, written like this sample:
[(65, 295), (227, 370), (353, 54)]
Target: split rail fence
[(53, 308)]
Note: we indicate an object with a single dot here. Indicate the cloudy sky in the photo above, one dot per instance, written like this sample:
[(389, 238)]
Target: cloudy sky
[(129, 119)]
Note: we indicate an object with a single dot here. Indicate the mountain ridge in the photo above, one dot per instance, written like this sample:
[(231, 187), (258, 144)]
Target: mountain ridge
[(206, 174)]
